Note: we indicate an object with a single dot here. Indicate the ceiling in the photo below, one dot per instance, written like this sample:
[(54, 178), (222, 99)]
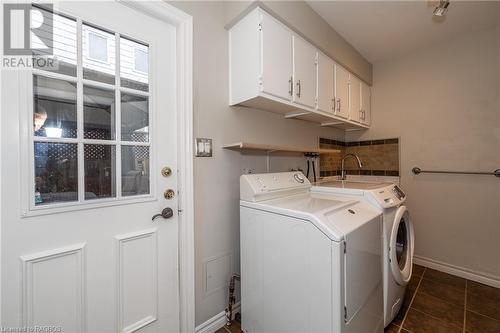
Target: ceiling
[(383, 30)]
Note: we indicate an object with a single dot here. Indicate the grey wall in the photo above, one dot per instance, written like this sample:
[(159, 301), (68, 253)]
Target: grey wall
[(217, 178), (444, 104)]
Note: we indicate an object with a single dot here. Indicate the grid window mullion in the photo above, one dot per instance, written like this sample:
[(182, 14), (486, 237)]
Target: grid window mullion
[(79, 75), (118, 119)]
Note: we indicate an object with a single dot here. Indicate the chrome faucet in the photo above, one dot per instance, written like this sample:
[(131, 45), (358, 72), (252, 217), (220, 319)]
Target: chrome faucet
[(343, 175)]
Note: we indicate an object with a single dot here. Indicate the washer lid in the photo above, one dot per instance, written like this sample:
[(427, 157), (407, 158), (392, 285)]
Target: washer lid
[(334, 216)]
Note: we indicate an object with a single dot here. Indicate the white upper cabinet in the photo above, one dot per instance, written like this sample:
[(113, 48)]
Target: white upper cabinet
[(326, 84), (366, 95), (304, 72), (276, 58), (355, 98), (341, 91), (272, 68)]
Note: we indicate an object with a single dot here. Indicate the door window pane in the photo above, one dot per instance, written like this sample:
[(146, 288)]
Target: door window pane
[(56, 172), (98, 54), (135, 118), (98, 113), (54, 104), (135, 170), (62, 32), (100, 166), (134, 65)]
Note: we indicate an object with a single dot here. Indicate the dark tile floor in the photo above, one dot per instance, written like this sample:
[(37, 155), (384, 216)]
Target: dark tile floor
[(437, 302)]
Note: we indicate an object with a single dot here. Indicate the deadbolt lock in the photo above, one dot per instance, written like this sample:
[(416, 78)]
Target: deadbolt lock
[(169, 194), (166, 171)]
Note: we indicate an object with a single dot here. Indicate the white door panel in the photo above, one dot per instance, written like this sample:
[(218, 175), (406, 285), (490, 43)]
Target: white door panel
[(342, 91), (326, 89), (355, 98), (97, 263), (276, 58), (304, 72)]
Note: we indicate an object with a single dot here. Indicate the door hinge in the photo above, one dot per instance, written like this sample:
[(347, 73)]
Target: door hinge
[(345, 247), (345, 313), (260, 26)]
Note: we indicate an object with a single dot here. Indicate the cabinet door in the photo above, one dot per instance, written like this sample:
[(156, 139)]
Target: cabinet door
[(341, 91), (355, 98), (276, 58), (304, 72), (326, 89), (366, 104)]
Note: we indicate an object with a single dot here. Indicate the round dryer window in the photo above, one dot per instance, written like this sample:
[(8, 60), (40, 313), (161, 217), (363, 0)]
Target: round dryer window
[(401, 247)]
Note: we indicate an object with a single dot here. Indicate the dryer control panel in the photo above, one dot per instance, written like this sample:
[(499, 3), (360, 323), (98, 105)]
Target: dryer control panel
[(389, 196), (265, 186)]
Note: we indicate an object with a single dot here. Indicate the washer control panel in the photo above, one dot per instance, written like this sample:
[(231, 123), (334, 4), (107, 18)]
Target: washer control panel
[(255, 187)]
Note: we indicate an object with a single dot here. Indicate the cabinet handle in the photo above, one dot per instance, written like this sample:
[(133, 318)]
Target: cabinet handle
[(298, 88), (340, 104), (333, 104), (290, 82)]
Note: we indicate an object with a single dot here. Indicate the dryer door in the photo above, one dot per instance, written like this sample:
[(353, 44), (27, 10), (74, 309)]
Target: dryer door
[(401, 247)]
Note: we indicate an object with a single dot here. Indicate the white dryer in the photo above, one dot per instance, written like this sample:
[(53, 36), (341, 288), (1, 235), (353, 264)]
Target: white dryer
[(310, 262), (398, 234)]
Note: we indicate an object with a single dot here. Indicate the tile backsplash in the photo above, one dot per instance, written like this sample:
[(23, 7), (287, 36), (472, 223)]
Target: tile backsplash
[(379, 157)]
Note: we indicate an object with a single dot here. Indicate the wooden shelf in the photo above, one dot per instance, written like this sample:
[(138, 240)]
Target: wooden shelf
[(243, 146)]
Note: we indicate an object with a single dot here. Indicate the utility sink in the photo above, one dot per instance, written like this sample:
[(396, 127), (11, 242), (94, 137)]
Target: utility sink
[(349, 184)]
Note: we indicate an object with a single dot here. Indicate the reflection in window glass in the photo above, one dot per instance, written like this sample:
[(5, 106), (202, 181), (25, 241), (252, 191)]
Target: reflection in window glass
[(98, 113), (99, 171), (63, 37), (98, 54), (54, 105), (98, 47), (135, 170), (134, 64), (56, 172), (134, 118)]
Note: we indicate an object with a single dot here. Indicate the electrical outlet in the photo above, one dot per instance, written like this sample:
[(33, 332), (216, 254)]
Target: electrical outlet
[(203, 147)]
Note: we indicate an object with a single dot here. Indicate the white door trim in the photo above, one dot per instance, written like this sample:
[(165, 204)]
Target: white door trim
[(184, 38)]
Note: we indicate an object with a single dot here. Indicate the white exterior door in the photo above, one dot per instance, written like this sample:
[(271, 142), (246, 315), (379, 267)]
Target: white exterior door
[(326, 77), (342, 91), (304, 72), (83, 147), (276, 58)]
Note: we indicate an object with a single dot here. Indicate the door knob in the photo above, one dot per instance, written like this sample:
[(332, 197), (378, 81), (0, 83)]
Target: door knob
[(166, 213)]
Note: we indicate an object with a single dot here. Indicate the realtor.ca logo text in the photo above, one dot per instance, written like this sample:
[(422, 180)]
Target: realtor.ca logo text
[(28, 37)]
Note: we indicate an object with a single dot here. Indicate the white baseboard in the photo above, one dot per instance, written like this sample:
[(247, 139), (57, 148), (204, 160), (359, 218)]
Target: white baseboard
[(465, 273), (216, 322)]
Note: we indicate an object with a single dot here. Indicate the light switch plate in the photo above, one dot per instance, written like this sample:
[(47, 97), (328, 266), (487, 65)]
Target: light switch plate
[(203, 147)]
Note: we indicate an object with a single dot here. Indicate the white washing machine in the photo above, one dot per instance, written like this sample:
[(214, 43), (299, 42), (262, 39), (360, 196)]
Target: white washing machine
[(398, 234), (310, 262)]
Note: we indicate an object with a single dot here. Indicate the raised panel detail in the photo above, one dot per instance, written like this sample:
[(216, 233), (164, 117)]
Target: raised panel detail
[(53, 290), (137, 266)]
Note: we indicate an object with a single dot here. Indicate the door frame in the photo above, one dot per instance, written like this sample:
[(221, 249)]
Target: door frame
[(183, 23)]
